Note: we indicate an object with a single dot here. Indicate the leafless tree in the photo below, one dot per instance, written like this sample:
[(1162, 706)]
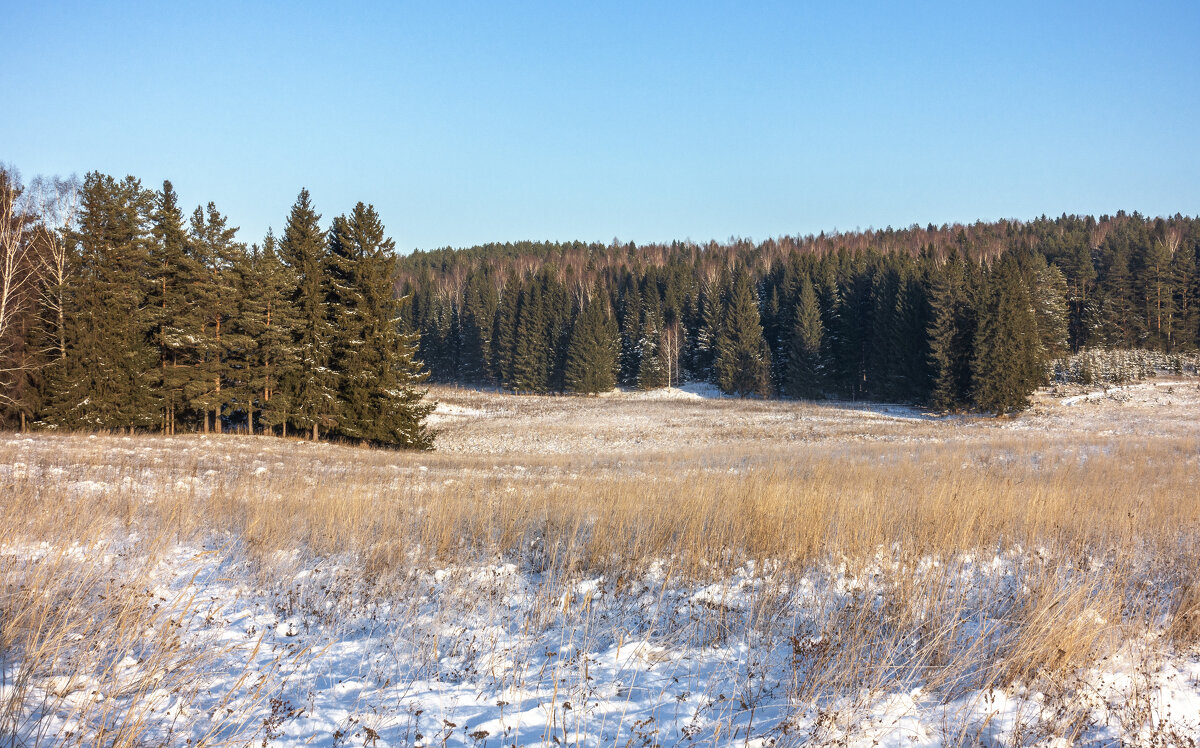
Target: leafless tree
[(671, 348), (55, 201), (17, 275)]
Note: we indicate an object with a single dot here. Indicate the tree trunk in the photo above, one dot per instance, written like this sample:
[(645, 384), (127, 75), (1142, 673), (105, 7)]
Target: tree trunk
[(315, 435), (250, 420)]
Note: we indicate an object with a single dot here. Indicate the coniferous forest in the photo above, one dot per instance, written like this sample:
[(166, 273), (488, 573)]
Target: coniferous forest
[(121, 312), (955, 317)]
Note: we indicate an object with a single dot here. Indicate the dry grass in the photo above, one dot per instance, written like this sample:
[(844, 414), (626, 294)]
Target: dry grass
[(1099, 537)]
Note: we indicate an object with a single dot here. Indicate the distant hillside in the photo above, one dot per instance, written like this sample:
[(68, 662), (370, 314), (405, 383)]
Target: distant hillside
[(958, 316)]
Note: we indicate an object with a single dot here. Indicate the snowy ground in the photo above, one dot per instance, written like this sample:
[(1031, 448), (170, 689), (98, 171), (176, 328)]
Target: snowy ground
[(696, 419), (303, 648)]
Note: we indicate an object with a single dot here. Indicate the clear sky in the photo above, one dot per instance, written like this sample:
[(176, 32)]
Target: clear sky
[(647, 121)]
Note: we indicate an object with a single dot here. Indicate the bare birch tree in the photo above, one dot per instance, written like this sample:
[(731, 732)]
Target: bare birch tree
[(17, 277), (55, 201)]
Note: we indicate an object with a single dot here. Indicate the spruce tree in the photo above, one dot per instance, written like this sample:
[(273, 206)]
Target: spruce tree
[(592, 354), (1049, 297), (106, 379), (951, 335), (1187, 305), (802, 377), (378, 372), (312, 388), (481, 301), (271, 320), (743, 365), (708, 326), (1006, 367), (215, 303), (505, 332), (631, 335), (172, 301), (652, 370), (531, 361)]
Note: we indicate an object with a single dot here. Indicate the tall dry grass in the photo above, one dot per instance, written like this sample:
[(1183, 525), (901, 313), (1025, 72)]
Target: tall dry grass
[(1102, 540)]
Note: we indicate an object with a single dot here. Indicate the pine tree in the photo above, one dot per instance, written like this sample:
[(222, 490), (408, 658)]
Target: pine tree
[(951, 335), (708, 325), (592, 354), (631, 335), (270, 319), (1186, 326), (215, 303), (376, 363), (652, 370), (312, 389), (802, 378), (481, 301), (106, 379), (531, 361), (743, 364), (1049, 296), (505, 334), (172, 301), (1006, 367)]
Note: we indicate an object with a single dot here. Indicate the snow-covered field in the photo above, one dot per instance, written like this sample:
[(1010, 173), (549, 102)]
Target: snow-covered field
[(666, 568)]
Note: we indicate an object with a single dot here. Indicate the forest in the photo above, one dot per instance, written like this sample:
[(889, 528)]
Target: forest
[(957, 317), (119, 313)]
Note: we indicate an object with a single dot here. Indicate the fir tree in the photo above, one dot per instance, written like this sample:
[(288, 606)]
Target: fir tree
[(312, 389), (1049, 296), (172, 302), (271, 321), (743, 365), (1006, 367), (592, 354), (652, 370), (378, 372), (951, 335), (505, 333), (802, 378), (106, 379), (215, 303)]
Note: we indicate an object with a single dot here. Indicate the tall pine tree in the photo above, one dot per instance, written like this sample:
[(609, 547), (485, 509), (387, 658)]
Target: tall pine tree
[(312, 387)]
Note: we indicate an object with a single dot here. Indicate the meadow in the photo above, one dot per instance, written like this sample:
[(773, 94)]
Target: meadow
[(662, 568)]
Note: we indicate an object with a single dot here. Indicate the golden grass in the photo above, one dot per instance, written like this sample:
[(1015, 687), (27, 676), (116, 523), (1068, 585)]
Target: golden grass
[(1103, 534)]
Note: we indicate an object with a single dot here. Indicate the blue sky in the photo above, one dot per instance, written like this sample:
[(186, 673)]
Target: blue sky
[(646, 121)]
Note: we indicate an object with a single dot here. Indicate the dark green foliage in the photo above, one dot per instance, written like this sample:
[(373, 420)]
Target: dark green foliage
[(106, 380), (269, 317), (1007, 365), (592, 354), (216, 258), (173, 327), (375, 362), (803, 376), (1049, 298), (743, 363), (171, 302), (312, 388), (951, 335)]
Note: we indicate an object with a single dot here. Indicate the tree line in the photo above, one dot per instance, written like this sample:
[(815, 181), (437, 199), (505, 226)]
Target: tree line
[(956, 317), (119, 312)]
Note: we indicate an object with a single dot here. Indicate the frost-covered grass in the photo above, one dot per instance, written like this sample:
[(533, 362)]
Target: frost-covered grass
[(565, 571)]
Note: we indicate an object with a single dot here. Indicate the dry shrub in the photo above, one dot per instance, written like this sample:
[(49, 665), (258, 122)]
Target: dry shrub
[(908, 522)]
